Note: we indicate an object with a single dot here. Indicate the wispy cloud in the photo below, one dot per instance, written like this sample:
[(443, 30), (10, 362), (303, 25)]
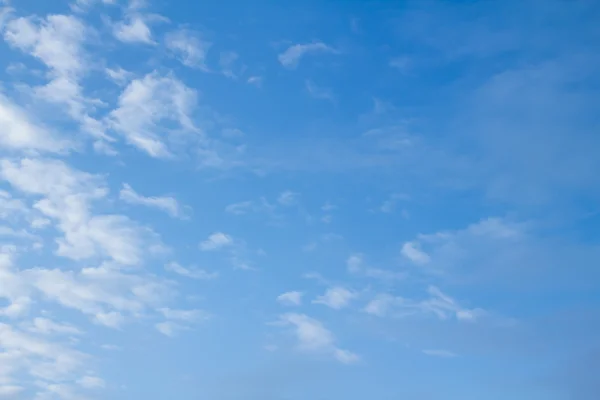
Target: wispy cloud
[(438, 304), (193, 273), (290, 298), (313, 337), (164, 203), (291, 57), (188, 47), (336, 297), (319, 92), (216, 241)]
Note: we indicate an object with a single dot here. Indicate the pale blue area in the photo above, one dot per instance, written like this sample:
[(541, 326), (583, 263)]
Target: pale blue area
[(500, 101)]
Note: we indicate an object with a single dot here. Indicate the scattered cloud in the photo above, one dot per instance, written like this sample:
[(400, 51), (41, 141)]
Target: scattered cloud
[(193, 273), (47, 327), (178, 320), (319, 92), (412, 251), (133, 30), (216, 241), (290, 298), (313, 337), (402, 64), (20, 133), (67, 197), (147, 109), (291, 57), (389, 205), (288, 198), (255, 80), (227, 61), (188, 47), (438, 304), (91, 382), (336, 298), (58, 42), (119, 75), (167, 204)]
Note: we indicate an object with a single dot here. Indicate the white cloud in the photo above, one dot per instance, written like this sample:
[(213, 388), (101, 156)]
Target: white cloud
[(312, 336), (255, 80), (287, 198), (188, 47), (412, 251), (108, 296), (133, 30), (184, 315), (401, 63), (39, 358), (148, 107), (67, 198), (290, 298), (319, 92), (18, 132), (336, 298), (240, 208), (292, 56), (118, 75), (111, 319), (46, 326), (58, 42), (439, 353), (380, 305), (354, 263), (83, 5), (227, 60), (193, 273), (345, 356), (91, 382), (178, 320), (438, 304), (216, 241), (168, 328), (389, 204), (167, 204), (10, 391)]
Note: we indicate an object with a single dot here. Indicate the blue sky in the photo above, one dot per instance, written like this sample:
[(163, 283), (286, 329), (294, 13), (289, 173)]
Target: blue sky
[(289, 200)]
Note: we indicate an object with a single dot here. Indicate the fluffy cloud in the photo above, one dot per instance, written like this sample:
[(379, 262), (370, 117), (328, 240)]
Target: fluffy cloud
[(134, 29), (40, 359), (145, 109), (58, 42), (67, 197), (18, 132)]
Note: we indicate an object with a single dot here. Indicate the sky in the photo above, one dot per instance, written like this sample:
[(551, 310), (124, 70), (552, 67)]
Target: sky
[(236, 200)]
